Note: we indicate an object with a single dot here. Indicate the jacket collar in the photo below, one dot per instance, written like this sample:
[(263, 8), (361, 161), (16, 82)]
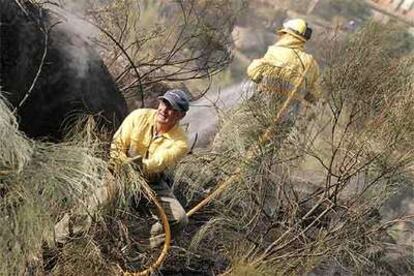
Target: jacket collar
[(170, 133), (290, 41)]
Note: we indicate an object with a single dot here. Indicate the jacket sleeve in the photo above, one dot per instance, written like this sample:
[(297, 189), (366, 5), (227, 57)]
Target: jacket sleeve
[(260, 68), (255, 70), (163, 159), (122, 140)]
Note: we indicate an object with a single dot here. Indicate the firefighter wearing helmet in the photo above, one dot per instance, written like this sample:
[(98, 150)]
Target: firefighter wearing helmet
[(286, 61)]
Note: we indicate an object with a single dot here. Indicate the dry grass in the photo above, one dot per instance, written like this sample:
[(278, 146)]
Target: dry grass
[(15, 150), (360, 142), (289, 218), (43, 181)]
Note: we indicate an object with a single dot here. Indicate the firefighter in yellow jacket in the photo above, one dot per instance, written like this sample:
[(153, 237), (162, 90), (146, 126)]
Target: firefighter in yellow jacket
[(286, 62), (284, 67), (152, 139)]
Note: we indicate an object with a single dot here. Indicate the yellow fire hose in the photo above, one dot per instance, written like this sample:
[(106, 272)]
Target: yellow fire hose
[(220, 187), (166, 247)]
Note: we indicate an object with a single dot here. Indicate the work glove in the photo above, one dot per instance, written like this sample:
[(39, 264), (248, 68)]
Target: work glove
[(136, 162)]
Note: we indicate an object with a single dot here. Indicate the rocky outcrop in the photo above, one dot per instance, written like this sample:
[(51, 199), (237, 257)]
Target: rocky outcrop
[(72, 79)]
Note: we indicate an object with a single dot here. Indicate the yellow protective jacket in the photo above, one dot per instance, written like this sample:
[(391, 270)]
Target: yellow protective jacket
[(287, 62), (136, 136)]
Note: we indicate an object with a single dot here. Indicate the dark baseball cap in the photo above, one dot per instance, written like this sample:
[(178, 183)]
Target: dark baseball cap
[(177, 98)]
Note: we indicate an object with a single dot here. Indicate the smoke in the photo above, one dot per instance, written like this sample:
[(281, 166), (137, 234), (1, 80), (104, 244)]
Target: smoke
[(69, 19), (72, 14)]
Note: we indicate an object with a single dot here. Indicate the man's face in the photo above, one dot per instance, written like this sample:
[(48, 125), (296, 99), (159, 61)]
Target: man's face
[(167, 115)]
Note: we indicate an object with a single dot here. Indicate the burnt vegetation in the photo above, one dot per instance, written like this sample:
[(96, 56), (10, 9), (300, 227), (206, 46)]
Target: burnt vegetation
[(310, 197)]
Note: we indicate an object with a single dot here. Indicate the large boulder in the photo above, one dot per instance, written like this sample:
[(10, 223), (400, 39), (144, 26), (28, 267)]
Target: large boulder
[(73, 80)]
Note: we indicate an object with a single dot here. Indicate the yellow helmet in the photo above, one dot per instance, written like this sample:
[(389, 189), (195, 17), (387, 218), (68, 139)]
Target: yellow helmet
[(298, 28)]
